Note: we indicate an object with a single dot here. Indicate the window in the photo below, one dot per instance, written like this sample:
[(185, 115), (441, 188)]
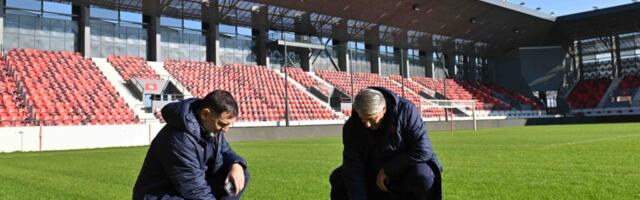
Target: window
[(194, 25), (24, 4), (101, 13), (60, 8), (130, 17), (170, 22)]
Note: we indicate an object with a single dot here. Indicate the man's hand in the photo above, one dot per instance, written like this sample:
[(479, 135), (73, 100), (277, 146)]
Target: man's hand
[(381, 180), (236, 174)]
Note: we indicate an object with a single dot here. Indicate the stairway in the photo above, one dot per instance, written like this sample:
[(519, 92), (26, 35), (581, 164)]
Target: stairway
[(636, 99), (158, 67), (116, 80), (301, 87), (612, 88)]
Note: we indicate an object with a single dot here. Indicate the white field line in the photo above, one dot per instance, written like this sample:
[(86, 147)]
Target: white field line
[(595, 140)]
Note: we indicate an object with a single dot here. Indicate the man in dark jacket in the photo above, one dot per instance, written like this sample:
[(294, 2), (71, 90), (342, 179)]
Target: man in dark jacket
[(387, 153), (190, 157)]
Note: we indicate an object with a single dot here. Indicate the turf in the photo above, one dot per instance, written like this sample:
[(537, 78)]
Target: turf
[(542, 162)]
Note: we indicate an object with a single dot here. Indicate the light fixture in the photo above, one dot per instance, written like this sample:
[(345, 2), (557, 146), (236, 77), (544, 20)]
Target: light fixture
[(415, 7), (255, 8), (517, 31)]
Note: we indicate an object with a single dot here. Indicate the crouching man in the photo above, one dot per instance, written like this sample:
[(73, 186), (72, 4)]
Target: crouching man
[(190, 157), (387, 153)]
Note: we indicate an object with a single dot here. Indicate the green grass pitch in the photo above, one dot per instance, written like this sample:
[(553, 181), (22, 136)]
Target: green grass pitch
[(540, 162)]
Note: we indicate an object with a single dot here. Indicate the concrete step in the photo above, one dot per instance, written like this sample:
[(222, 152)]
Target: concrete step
[(158, 67), (118, 83), (636, 99), (301, 87), (612, 88)]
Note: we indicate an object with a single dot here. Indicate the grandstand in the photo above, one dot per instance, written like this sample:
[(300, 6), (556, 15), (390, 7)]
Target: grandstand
[(86, 74)]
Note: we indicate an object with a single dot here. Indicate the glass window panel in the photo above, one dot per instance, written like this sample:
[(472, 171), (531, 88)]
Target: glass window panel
[(246, 31), (130, 17), (27, 24), (95, 52), (55, 7), (58, 44), (24, 4), (27, 41), (102, 13), (191, 24), (171, 22)]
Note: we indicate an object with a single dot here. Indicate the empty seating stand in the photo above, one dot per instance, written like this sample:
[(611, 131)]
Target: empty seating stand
[(63, 88), (588, 93), (132, 67), (258, 90)]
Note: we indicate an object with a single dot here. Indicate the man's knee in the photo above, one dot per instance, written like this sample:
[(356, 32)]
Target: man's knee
[(336, 176), (424, 177)]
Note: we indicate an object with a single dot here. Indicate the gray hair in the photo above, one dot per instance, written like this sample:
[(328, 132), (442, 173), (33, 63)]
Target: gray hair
[(369, 102)]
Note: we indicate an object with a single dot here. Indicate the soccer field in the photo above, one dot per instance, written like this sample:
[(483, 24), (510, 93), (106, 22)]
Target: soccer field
[(600, 161)]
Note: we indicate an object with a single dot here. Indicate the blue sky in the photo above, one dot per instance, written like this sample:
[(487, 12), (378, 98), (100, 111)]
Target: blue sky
[(564, 7)]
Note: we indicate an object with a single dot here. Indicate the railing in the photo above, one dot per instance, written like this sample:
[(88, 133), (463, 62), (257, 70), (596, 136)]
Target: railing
[(620, 98), (176, 83), (84, 121), (20, 88)]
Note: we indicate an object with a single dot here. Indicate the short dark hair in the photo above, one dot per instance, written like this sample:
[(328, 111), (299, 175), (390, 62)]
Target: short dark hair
[(219, 101)]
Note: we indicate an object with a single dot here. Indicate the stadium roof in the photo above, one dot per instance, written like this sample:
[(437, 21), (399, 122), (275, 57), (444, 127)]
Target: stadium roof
[(500, 24), (601, 22), (495, 22)]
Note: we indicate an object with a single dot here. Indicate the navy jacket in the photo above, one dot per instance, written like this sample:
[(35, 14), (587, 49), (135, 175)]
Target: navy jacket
[(400, 142), (181, 156)]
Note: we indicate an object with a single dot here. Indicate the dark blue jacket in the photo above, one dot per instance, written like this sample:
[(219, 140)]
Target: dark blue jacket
[(180, 157), (400, 142)]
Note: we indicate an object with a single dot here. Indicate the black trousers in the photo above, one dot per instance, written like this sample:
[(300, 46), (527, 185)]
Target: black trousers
[(417, 182), (216, 181)]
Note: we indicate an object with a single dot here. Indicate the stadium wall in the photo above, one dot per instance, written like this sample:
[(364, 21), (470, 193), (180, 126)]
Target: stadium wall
[(48, 138)]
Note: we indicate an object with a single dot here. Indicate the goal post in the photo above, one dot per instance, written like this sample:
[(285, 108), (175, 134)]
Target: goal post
[(432, 108)]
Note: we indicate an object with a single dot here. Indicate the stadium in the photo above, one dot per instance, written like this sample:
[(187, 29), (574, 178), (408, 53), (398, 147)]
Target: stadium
[(519, 103)]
